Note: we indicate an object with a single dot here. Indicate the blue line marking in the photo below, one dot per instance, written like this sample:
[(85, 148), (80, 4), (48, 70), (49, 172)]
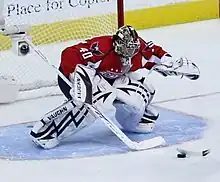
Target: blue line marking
[(97, 140)]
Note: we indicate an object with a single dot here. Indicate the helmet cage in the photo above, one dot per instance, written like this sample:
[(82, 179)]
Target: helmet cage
[(126, 42), (129, 49)]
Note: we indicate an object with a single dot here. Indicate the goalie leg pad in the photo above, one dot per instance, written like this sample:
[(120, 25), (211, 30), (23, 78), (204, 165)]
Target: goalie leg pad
[(103, 95), (48, 132), (127, 116), (131, 119), (134, 113), (133, 97), (131, 92), (82, 80), (148, 121), (141, 77)]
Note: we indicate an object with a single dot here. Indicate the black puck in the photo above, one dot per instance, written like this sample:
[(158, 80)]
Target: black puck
[(181, 155), (205, 152)]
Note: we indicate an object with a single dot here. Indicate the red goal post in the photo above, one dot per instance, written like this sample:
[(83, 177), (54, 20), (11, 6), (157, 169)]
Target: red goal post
[(120, 6)]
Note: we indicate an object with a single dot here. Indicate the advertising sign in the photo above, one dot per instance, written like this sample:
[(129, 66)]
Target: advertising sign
[(46, 11)]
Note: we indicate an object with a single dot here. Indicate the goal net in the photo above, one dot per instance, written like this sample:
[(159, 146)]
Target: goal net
[(53, 25)]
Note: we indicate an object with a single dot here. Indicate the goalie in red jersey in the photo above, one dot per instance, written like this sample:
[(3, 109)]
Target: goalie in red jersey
[(105, 71)]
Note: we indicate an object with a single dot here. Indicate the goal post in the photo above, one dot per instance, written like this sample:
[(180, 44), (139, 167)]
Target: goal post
[(52, 25), (120, 7)]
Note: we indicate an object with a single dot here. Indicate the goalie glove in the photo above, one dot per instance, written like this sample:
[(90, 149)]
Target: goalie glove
[(180, 67)]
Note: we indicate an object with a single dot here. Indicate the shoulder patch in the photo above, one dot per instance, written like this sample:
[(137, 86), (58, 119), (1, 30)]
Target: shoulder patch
[(95, 49)]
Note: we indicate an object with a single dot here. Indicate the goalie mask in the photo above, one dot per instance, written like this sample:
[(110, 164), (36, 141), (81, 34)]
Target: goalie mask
[(126, 42)]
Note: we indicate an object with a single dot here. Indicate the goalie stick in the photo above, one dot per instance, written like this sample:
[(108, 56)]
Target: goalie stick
[(143, 145)]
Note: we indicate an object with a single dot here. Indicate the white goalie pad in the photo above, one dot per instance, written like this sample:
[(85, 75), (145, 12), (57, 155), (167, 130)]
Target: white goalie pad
[(132, 92), (61, 123), (82, 79), (9, 89)]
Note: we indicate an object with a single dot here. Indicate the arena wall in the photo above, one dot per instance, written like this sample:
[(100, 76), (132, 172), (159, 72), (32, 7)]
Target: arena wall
[(174, 13), (56, 20)]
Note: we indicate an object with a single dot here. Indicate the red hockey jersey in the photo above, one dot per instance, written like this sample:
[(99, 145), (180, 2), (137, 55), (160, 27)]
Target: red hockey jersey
[(99, 53)]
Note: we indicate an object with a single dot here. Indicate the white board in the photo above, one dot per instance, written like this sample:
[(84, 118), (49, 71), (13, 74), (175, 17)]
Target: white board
[(46, 11)]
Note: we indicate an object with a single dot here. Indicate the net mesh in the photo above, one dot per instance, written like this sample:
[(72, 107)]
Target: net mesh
[(54, 26)]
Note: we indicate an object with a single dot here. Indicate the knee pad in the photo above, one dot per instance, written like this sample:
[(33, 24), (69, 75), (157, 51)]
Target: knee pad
[(131, 92), (139, 76)]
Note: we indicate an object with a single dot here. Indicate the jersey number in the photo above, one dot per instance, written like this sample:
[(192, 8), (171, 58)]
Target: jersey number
[(86, 53)]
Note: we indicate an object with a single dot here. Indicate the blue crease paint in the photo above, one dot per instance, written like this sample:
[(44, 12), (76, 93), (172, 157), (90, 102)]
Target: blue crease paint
[(97, 139)]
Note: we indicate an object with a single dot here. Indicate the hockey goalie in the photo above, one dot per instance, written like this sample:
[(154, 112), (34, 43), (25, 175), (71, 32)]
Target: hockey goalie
[(105, 72)]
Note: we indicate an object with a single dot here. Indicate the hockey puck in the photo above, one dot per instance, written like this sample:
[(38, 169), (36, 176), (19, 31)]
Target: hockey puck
[(205, 152), (181, 155)]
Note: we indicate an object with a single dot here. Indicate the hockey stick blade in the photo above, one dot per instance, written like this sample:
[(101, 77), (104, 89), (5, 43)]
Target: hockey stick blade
[(143, 145), (148, 144), (189, 153)]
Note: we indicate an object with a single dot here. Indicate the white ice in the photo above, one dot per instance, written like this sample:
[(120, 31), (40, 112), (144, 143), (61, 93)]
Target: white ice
[(200, 42)]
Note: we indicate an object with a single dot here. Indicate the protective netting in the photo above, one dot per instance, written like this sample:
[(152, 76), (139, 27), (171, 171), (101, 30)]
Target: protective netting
[(54, 26)]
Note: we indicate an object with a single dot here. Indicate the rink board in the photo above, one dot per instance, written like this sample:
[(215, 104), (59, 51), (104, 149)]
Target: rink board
[(172, 14), (97, 140), (146, 17)]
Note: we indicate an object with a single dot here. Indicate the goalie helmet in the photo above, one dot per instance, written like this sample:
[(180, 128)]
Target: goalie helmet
[(126, 42)]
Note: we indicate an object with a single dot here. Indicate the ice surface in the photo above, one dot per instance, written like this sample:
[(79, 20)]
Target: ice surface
[(199, 41), (98, 140)]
